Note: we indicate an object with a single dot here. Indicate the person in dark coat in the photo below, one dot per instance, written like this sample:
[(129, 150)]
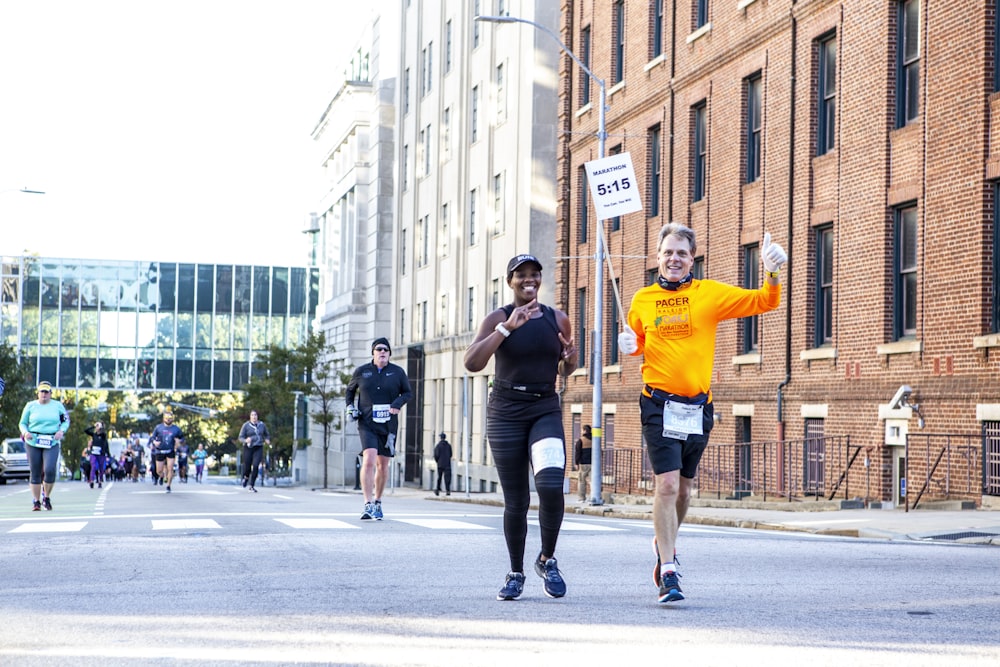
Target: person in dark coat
[(442, 458)]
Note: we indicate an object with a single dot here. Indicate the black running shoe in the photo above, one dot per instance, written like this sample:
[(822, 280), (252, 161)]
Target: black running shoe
[(670, 587), (168, 488), (554, 585), (512, 587), (36, 506), (47, 503)]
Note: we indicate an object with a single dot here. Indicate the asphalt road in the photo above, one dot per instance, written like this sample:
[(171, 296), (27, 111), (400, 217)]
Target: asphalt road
[(213, 575)]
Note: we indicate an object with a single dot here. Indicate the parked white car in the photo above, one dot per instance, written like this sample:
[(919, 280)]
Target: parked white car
[(14, 454)]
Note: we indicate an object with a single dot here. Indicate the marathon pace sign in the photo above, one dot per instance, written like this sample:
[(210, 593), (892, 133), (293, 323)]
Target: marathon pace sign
[(613, 186)]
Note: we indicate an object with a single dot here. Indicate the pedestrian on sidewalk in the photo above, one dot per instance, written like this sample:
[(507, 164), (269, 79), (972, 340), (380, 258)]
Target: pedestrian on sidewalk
[(581, 461), (254, 435), (532, 344), (442, 459), (673, 323), (381, 389)]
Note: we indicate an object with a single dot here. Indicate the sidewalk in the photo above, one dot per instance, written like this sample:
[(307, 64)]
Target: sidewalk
[(980, 526)]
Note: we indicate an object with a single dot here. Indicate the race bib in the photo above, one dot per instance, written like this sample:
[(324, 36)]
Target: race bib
[(44, 441), (380, 413), (681, 420), (548, 453), (96, 451)]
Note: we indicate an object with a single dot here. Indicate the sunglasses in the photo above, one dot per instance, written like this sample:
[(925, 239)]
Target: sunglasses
[(44, 391), (381, 349)]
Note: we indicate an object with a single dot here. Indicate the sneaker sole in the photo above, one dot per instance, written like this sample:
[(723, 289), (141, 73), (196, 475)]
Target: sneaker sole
[(673, 596), (506, 598)]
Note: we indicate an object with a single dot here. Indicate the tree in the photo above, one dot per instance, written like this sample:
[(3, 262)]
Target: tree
[(325, 387), (278, 374), (19, 378)]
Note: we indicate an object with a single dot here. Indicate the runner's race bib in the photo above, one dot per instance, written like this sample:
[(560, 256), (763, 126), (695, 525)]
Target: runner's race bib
[(96, 451), (681, 420), (380, 413), (44, 441)]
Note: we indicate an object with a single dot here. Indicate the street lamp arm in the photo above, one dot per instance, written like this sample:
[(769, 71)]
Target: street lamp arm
[(25, 190)]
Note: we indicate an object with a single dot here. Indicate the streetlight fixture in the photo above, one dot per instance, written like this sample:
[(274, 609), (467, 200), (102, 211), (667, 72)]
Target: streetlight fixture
[(25, 190), (597, 355)]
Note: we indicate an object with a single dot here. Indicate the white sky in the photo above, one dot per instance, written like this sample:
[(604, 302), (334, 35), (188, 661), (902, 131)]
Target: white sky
[(169, 131)]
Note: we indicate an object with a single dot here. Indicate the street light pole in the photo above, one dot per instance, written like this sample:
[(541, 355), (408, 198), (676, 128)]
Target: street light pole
[(597, 354)]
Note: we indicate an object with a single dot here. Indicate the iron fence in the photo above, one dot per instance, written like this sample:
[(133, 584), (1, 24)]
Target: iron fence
[(946, 466)]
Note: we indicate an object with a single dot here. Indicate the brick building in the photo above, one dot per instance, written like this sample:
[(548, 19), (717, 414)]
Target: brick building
[(858, 134)]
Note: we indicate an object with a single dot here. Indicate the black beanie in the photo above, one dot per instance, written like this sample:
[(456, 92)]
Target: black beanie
[(381, 341)]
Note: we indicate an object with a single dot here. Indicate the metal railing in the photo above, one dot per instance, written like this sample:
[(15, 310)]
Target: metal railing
[(947, 466)]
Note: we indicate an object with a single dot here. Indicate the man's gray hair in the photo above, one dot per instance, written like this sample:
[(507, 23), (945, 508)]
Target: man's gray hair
[(680, 231)]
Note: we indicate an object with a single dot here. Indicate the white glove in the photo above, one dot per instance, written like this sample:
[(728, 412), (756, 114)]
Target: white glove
[(627, 342), (772, 254)]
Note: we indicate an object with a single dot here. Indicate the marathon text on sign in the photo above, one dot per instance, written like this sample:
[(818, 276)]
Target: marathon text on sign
[(613, 186)]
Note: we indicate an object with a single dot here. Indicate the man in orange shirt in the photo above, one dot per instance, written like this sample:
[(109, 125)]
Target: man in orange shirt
[(673, 322)]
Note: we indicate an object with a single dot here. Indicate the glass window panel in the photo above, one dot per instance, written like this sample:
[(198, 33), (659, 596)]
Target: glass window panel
[(241, 374), (186, 279), (224, 289), (107, 372), (206, 288), (221, 332), (164, 373), (70, 328), (241, 289), (185, 331), (261, 289), (297, 294), (910, 302), (909, 239), (241, 332), (183, 374), (168, 286), (911, 30), (85, 371), (67, 372), (220, 378), (146, 330), (165, 324), (203, 375), (203, 334), (279, 291), (50, 326), (126, 374), (258, 335), (50, 291), (30, 324), (47, 367), (144, 372), (830, 73)]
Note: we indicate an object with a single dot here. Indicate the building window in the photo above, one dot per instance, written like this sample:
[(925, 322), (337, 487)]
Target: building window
[(908, 74), (495, 295), (501, 95), (427, 68), (697, 269), (427, 150), (447, 46), (502, 8), (614, 326), (422, 234), (824, 286), (475, 24), (443, 230), (700, 13), (402, 251), (584, 203), (905, 308), (826, 98), (470, 309), (443, 316), (995, 320), (402, 326), (753, 136), (653, 207), (406, 91), (656, 43), (581, 327), (472, 215), (616, 222), (406, 167), (423, 320), (446, 134), (498, 204), (700, 152), (585, 59), (751, 280), (618, 48), (474, 112)]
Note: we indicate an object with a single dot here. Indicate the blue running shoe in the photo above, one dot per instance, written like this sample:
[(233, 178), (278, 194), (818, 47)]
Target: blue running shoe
[(670, 588), (377, 510), (513, 587), (554, 585), (369, 512)]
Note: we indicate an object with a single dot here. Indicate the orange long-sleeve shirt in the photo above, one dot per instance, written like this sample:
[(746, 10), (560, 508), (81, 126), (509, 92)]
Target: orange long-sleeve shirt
[(676, 330)]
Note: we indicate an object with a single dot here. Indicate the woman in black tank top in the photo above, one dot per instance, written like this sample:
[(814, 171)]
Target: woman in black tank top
[(531, 343)]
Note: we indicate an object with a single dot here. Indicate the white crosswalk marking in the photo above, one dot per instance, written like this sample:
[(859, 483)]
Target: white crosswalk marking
[(316, 523), (183, 524), (439, 524), (61, 527), (581, 525)]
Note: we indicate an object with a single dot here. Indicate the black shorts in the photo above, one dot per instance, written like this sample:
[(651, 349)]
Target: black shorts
[(377, 441), (163, 456), (668, 454)]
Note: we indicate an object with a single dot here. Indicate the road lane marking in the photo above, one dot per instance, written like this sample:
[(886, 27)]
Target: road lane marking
[(316, 523), (183, 524), (278, 495), (581, 525), (442, 524), (61, 527)]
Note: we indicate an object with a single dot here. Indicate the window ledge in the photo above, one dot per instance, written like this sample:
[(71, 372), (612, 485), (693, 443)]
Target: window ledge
[(585, 109), (699, 33), (658, 60), (818, 353), (615, 88), (900, 347), (991, 340), (747, 359), (743, 4), (614, 368)]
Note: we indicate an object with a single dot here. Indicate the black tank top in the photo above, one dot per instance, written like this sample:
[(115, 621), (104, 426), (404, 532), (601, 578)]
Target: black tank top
[(530, 355)]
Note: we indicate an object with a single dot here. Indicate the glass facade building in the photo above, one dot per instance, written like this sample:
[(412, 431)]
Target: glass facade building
[(135, 325)]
